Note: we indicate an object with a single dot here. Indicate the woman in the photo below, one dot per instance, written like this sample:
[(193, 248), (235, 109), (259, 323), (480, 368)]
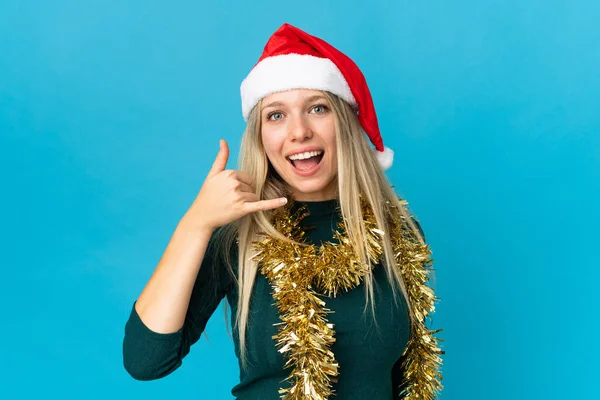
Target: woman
[(289, 238)]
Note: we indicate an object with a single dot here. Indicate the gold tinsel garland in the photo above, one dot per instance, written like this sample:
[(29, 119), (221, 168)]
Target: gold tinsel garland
[(300, 274)]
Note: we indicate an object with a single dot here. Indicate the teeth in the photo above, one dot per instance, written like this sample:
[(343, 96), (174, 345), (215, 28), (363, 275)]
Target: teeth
[(303, 156)]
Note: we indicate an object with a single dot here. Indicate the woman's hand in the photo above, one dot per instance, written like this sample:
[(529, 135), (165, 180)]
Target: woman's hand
[(225, 196)]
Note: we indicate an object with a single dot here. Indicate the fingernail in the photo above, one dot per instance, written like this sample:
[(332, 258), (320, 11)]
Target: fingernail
[(283, 200)]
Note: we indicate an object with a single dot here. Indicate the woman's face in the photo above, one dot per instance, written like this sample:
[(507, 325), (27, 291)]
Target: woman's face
[(298, 134)]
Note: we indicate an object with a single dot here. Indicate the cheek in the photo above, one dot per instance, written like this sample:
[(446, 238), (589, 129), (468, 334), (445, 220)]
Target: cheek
[(267, 140), (272, 143), (330, 138)]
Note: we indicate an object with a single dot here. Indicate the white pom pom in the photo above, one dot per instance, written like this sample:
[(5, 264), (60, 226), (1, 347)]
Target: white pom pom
[(385, 158)]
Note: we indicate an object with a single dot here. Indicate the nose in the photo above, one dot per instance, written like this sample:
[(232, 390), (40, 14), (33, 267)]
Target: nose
[(299, 129)]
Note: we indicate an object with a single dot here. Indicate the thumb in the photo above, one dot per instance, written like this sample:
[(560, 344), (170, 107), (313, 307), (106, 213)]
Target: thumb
[(221, 161)]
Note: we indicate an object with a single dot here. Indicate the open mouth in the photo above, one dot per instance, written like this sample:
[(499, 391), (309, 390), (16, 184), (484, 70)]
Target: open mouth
[(306, 162)]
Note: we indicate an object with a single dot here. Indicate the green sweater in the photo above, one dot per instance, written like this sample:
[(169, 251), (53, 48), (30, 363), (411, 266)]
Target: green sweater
[(369, 357)]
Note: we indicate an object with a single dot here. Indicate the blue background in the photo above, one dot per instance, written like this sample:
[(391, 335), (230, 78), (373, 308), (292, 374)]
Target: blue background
[(110, 115)]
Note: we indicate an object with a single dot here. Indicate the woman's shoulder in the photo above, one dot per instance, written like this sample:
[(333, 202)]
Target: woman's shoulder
[(222, 247), (223, 240), (407, 212), (418, 225)]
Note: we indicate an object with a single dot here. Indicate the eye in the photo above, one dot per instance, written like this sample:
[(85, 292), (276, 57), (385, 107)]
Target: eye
[(275, 114), (320, 108)]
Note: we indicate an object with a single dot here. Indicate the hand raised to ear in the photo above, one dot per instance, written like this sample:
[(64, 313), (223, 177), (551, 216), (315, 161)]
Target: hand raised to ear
[(226, 195)]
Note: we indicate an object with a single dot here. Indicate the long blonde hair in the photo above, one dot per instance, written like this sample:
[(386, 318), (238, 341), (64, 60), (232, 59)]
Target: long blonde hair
[(365, 178)]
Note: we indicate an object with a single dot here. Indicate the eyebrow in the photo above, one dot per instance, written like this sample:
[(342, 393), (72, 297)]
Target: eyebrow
[(308, 100)]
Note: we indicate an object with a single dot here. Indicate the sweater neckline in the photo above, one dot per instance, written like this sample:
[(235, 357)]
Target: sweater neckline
[(320, 208)]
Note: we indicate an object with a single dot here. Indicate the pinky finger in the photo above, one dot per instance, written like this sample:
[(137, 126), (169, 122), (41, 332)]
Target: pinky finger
[(264, 205)]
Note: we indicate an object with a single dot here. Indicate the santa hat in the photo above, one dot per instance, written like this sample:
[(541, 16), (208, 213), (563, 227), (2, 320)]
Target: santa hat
[(293, 59)]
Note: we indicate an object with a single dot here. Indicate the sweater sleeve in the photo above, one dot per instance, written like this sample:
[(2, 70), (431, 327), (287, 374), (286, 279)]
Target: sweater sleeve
[(149, 355)]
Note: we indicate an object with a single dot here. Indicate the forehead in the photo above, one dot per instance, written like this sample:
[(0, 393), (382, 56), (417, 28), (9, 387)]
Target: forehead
[(291, 96)]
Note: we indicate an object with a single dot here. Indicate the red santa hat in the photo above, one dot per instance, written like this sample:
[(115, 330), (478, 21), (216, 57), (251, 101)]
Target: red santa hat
[(293, 59)]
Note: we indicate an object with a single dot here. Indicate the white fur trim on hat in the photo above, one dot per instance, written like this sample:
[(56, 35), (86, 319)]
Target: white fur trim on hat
[(385, 157), (292, 71)]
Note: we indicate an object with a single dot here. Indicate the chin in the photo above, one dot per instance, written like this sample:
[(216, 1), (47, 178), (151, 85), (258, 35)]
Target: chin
[(316, 186), (316, 189)]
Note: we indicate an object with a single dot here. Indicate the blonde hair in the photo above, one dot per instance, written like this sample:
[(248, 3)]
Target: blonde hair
[(365, 178)]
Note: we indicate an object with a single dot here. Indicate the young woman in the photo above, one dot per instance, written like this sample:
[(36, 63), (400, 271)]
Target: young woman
[(322, 265)]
